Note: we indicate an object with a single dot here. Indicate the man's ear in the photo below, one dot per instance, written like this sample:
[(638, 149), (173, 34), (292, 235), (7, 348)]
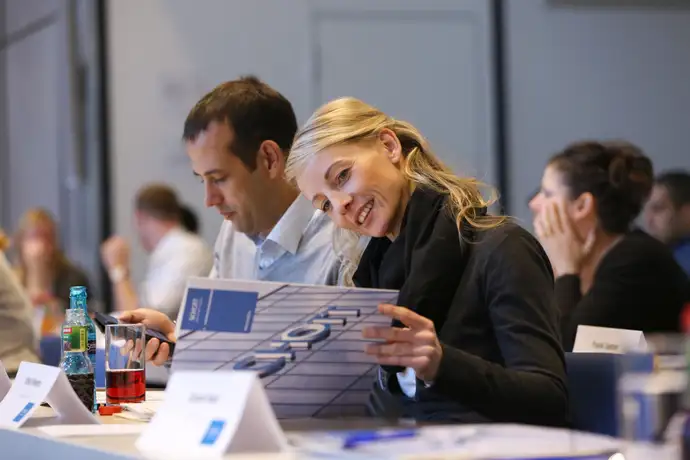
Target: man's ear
[(391, 144), (271, 157)]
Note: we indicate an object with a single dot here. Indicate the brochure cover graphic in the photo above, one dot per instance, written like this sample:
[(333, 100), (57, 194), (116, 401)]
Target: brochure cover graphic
[(305, 341)]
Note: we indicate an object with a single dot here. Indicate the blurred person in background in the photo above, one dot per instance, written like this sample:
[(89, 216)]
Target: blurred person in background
[(17, 337), (43, 269), (607, 273), (174, 254), (667, 214)]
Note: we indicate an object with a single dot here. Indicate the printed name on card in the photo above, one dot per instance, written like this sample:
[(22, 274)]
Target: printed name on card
[(213, 413), (36, 383), (594, 339)]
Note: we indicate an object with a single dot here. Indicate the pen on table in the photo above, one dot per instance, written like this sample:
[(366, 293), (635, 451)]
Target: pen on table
[(603, 455), (368, 437)]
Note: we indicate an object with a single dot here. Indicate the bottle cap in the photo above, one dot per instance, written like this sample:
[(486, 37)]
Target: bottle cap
[(109, 410)]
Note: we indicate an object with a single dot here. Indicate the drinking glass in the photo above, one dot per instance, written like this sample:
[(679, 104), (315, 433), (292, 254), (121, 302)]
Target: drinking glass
[(125, 366)]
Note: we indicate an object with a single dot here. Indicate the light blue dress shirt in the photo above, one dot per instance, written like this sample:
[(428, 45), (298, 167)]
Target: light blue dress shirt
[(299, 249)]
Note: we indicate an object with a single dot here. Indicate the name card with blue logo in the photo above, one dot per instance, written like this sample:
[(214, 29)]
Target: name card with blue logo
[(5, 382), (305, 343), (208, 414), (36, 383)]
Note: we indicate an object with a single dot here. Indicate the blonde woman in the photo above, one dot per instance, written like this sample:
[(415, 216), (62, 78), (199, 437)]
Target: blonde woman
[(475, 330), (42, 267)]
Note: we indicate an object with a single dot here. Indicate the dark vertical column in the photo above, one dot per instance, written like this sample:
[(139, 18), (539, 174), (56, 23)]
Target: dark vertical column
[(4, 144), (500, 101), (104, 176)]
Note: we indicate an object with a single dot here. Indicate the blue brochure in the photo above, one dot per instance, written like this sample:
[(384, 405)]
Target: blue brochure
[(219, 310)]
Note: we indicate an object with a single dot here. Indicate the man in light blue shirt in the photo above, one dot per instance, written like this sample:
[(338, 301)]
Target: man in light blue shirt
[(237, 138)]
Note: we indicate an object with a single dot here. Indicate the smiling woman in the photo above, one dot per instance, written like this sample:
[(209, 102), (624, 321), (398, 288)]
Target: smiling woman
[(474, 335)]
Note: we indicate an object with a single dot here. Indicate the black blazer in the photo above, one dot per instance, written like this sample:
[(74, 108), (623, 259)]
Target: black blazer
[(637, 285), (492, 305)]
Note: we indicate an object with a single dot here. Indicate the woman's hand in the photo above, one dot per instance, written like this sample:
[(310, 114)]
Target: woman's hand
[(565, 248), (415, 346)]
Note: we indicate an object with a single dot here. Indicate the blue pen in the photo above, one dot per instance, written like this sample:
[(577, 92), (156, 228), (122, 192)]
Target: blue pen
[(604, 455), (368, 437)]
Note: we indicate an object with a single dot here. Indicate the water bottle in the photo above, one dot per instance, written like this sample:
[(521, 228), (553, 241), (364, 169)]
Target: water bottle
[(77, 301), (75, 361)]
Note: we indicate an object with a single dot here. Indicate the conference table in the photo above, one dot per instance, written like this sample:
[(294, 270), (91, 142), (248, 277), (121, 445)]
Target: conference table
[(120, 434)]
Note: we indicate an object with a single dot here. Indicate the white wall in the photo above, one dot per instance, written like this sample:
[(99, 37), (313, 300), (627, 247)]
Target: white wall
[(591, 69), (164, 54), (50, 153)]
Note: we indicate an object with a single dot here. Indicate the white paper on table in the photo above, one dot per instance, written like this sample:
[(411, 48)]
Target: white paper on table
[(595, 339), (65, 431), (36, 383), (5, 382), (213, 413)]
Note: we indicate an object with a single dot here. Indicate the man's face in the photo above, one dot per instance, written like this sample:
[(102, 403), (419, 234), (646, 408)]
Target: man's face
[(234, 190), (661, 216)]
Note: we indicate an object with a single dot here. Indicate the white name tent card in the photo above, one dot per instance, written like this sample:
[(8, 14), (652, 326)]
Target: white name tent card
[(594, 339), (5, 382), (208, 414), (36, 383)]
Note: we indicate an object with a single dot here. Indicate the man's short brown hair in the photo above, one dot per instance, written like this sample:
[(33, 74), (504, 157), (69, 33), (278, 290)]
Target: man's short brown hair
[(158, 201), (255, 112)]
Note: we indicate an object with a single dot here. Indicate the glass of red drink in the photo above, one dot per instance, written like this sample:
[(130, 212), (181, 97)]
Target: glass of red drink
[(125, 374)]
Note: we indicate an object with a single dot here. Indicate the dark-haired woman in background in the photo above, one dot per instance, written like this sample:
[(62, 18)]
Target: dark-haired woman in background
[(189, 219), (607, 274)]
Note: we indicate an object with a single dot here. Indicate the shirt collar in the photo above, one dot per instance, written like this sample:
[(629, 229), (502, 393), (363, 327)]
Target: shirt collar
[(289, 230)]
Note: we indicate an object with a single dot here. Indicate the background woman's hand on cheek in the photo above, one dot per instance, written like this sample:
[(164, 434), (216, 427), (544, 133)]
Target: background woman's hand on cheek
[(415, 346), (565, 248)]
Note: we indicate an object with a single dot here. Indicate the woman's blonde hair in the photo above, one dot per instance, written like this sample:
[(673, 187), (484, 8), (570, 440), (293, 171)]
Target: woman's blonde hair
[(37, 217), (349, 120)]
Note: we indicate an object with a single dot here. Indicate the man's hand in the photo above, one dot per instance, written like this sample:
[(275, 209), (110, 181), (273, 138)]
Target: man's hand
[(115, 253), (156, 352)]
